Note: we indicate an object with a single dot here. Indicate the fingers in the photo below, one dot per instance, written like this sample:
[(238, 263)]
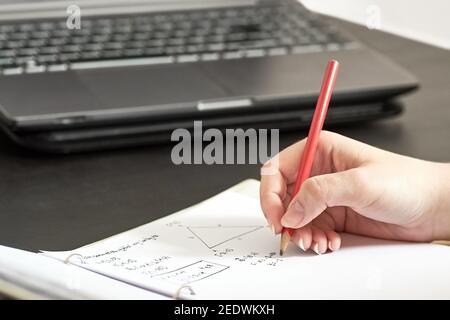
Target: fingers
[(346, 188), (334, 240), (274, 182), (316, 239), (272, 194), (303, 237), (319, 244)]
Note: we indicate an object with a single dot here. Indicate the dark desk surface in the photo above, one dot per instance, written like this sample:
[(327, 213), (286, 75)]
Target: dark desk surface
[(62, 202)]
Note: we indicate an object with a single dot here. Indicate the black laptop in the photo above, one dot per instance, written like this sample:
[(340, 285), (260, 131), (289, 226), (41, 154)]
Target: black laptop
[(133, 71)]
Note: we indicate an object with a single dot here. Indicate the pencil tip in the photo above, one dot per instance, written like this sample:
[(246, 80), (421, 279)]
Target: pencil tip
[(285, 238)]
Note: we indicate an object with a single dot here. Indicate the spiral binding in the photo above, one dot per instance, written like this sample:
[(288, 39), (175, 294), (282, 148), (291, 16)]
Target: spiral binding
[(67, 259), (177, 293)]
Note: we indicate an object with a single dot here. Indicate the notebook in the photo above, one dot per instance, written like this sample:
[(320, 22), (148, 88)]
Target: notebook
[(222, 248)]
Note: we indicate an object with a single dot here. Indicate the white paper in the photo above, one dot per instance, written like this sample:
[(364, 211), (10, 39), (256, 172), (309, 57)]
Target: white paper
[(222, 249), (33, 276)]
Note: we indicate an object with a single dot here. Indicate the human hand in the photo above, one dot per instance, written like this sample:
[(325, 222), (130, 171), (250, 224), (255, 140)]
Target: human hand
[(359, 189)]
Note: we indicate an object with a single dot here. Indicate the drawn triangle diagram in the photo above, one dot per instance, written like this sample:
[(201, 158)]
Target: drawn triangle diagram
[(212, 236)]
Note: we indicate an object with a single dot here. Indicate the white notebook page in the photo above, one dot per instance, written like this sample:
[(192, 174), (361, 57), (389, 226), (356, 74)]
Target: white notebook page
[(222, 249)]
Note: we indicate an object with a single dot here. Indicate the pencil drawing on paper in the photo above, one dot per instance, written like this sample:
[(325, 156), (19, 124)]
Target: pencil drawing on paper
[(213, 236), (193, 272)]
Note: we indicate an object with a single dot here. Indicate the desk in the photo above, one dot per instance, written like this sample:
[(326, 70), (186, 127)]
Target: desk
[(63, 202)]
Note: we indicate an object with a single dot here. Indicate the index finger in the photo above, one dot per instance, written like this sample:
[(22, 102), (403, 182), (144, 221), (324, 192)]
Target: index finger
[(274, 185)]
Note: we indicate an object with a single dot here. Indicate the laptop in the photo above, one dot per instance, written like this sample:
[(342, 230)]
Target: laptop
[(132, 71)]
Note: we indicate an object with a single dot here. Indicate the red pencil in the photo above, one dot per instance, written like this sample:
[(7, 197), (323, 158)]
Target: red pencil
[(307, 159)]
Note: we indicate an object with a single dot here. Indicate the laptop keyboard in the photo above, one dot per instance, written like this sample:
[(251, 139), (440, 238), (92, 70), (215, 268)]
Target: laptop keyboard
[(157, 38)]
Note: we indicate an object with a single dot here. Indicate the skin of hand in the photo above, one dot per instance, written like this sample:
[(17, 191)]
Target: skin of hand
[(359, 189)]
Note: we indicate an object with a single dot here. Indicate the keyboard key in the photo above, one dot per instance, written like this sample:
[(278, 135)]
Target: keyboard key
[(144, 28), (136, 44), (113, 45), (103, 31), (156, 43), (218, 38), (93, 46), (47, 26), (103, 22), (40, 34), (210, 56), (84, 31), (79, 40), (195, 48), (58, 41), (160, 35), (61, 33), (121, 63), (112, 53), (232, 55), (141, 36), (254, 53), (47, 59), (26, 27), (181, 33), (121, 37), (15, 44), (90, 55), (37, 42), (236, 37), (287, 41), (6, 62), (71, 48), (198, 39), (188, 58), (49, 50), (66, 57), (175, 50), (123, 29), (176, 42), (23, 60), (154, 52), (13, 71), (19, 36), (133, 52), (6, 28), (100, 38), (216, 47), (307, 49), (57, 67), (7, 53), (35, 69), (333, 47), (277, 51)]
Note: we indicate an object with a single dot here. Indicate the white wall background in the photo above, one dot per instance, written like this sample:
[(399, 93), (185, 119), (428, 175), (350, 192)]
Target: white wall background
[(423, 20)]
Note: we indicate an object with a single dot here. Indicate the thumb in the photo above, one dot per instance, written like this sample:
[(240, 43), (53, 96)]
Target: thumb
[(345, 188)]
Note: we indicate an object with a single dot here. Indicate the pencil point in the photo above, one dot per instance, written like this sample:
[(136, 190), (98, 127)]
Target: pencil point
[(285, 238)]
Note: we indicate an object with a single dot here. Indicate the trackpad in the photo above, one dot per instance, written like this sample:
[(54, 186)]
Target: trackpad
[(150, 85)]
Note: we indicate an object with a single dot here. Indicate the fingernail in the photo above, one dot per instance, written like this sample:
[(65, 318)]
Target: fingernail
[(316, 248), (293, 216), (301, 244), (272, 227), (329, 246)]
